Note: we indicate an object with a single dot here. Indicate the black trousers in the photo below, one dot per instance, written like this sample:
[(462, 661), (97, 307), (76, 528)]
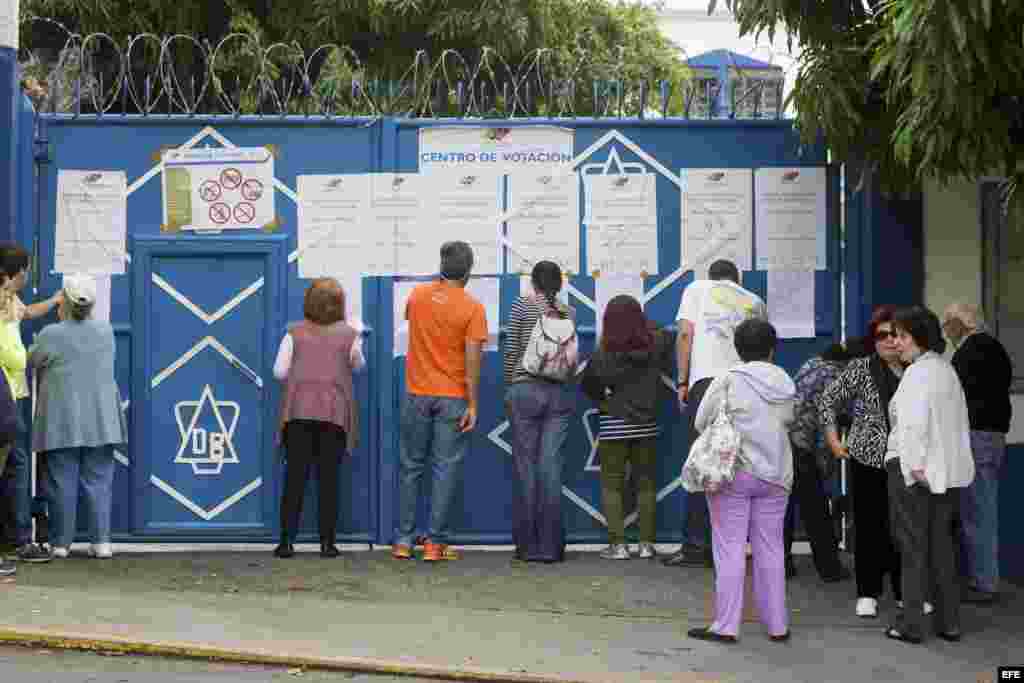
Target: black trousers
[(808, 496), (875, 554), (697, 524), (309, 442), (923, 524)]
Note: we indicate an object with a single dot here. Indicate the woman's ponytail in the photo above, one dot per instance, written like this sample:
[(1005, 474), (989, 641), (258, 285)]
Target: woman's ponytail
[(547, 281)]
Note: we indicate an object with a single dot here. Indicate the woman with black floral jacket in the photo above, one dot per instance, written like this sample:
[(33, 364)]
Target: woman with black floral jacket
[(813, 464), (864, 390)]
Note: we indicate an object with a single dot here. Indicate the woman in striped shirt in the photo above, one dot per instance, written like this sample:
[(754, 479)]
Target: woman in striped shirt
[(623, 377), (539, 410)]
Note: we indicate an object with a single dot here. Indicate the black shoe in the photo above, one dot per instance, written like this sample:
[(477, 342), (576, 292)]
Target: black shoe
[(843, 575), (708, 634), (790, 567), (977, 597), (689, 556), (896, 634), (284, 550), (329, 550), (32, 553), (950, 636), (779, 639)]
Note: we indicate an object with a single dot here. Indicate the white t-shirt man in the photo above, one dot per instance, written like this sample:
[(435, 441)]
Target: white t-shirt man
[(715, 308)]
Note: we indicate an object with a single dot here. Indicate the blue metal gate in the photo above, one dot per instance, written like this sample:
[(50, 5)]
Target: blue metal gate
[(662, 148), (196, 335), (204, 412)]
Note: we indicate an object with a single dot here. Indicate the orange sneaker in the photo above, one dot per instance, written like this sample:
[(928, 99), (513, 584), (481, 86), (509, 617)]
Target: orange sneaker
[(400, 551), (436, 552)]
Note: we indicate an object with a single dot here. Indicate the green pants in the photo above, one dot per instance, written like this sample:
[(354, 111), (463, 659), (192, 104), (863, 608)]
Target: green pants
[(641, 454)]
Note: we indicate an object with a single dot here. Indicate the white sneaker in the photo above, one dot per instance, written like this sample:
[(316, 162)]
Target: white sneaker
[(867, 608), (616, 551), (101, 551), (60, 553), (646, 551)]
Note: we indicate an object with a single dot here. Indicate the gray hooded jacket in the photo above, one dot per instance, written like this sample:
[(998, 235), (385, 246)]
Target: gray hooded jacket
[(761, 398)]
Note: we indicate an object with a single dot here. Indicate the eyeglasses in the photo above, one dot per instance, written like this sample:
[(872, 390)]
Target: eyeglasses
[(882, 335)]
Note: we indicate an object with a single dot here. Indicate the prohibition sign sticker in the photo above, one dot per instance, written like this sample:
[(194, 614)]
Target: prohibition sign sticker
[(230, 178), (220, 213), (245, 212), (252, 189), (210, 191)]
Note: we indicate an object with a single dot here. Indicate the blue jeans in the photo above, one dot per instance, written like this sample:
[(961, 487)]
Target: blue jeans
[(979, 512), (539, 412), (21, 462), (429, 432), (93, 470)]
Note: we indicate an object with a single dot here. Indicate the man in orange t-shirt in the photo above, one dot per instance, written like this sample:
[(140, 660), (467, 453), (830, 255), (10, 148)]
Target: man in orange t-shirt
[(447, 331)]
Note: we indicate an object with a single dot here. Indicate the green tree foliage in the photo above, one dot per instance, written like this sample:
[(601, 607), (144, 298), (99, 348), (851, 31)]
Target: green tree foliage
[(916, 88), (535, 41)]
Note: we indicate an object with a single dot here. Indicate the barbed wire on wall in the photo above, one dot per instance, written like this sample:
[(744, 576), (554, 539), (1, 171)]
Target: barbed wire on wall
[(180, 74)]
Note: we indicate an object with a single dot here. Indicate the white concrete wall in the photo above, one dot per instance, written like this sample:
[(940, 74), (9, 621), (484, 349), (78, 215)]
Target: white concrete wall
[(953, 258)]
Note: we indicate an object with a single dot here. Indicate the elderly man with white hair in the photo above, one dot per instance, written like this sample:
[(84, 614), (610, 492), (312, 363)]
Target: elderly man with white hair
[(985, 372)]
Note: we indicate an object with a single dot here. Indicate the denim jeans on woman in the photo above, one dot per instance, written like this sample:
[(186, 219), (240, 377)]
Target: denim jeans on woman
[(539, 412), (92, 469), (429, 435)]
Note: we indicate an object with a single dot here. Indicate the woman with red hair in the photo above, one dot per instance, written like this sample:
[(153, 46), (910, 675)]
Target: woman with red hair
[(623, 377), (864, 390)]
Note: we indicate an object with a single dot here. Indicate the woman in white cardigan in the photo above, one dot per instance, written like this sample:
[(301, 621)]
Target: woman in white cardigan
[(927, 461)]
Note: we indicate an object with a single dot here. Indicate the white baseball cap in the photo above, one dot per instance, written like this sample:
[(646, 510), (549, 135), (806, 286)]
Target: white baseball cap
[(80, 289)]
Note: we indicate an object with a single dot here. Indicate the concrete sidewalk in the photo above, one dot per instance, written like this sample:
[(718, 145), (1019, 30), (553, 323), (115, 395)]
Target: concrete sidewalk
[(482, 618)]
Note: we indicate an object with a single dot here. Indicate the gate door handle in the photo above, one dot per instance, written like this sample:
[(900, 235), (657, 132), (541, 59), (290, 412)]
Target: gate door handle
[(244, 369)]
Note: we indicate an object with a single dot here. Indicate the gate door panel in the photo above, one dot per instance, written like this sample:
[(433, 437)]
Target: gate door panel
[(208, 312)]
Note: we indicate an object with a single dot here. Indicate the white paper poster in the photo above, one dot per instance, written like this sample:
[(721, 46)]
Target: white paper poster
[(396, 214), (717, 217), (92, 219), (460, 206), (332, 235), (352, 283), (487, 290), (607, 288), (402, 290), (101, 309), (792, 219), (9, 23), (218, 188), (494, 150), (791, 303), (547, 226), (622, 224)]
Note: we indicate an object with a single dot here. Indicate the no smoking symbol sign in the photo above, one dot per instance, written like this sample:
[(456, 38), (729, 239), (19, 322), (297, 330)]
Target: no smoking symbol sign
[(230, 178), (252, 190), (245, 212), (220, 213), (210, 191)]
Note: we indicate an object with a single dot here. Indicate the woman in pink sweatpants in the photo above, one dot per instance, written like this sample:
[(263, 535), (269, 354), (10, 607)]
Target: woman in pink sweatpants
[(761, 398)]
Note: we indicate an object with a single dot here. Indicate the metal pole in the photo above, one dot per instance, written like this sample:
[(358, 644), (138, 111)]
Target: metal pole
[(10, 104)]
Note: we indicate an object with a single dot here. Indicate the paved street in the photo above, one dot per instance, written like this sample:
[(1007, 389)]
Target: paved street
[(486, 616), (33, 665)]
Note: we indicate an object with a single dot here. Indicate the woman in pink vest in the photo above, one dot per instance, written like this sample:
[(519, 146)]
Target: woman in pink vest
[(319, 414)]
